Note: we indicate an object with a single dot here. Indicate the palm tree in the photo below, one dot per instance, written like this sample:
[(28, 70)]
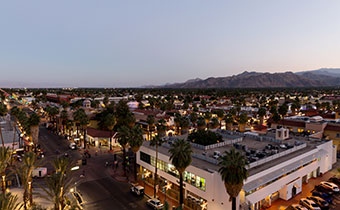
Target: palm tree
[(193, 118), (177, 121), (220, 115), (34, 121), (261, 113), (109, 122), (81, 117), (243, 119), (156, 142), (9, 202), (5, 158), (59, 183), (207, 117), (181, 158), (184, 124), (64, 119), (161, 128), (29, 164), (151, 121), (124, 134), (135, 142), (3, 112), (229, 120), (233, 173)]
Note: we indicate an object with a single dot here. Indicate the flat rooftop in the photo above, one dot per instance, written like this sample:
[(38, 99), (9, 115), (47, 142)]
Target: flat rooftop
[(249, 146)]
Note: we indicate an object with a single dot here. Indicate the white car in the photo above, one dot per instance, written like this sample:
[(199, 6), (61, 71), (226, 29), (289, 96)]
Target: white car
[(73, 146), (309, 204), (298, 207), (330, 185), (155, 203), (137, 189)]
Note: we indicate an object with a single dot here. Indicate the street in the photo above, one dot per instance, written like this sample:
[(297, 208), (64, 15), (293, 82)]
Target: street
[(98, 189)]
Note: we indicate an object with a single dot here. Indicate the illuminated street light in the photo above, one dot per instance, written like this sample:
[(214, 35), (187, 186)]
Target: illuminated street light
[(204, 205)]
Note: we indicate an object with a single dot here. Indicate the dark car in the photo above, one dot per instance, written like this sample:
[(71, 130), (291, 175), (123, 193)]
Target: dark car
[(321, 188), (323, 195), (320, 202), (335, 180)]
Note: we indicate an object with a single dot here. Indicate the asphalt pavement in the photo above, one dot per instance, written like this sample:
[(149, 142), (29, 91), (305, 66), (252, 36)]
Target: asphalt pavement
[(98, 189)]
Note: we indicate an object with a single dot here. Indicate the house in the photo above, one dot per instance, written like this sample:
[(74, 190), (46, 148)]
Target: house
[(101, 138)]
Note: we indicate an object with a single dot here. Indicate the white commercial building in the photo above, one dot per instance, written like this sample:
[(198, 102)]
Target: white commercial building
[(277, 169)]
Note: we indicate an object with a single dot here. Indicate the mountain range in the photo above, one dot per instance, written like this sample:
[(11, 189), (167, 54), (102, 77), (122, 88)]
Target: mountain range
[(313, 78)]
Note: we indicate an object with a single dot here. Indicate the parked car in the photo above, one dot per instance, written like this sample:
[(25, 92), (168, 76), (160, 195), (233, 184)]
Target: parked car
[(324, 189), (331, 186), (155, 203), (309, 204), (298, 207), (322, 195), (73, 146), (334, 180), (137, 189), (320, 202)]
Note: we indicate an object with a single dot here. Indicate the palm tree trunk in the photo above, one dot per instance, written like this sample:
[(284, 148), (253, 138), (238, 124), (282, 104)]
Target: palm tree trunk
[(181, 200), (2, 138), (233, 203), (124, 161), (135, 166), (4, 184), (85, 138), (156, 177)]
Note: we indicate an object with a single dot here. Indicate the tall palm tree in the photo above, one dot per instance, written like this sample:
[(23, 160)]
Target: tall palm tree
[(151, 121), (124, 134), (261, 113), (64, 119), (181, 158), (109, 123), (29, 162), (5, 157), (135, 142), (161, 128), (242, 120), (156, 142), (233, 173), (9, 202), (3, 112), (34, 121), (207, 117), (83, 120), (220, 114), (229, 120)]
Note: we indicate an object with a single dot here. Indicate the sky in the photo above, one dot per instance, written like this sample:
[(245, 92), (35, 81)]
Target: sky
[(130, 43)]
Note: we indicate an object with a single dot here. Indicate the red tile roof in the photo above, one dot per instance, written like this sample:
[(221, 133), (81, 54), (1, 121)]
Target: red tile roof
[(333, 127), (294, 123), (99, 133)]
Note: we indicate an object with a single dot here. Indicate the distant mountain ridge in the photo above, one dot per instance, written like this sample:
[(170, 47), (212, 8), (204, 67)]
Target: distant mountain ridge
[(314, 78)]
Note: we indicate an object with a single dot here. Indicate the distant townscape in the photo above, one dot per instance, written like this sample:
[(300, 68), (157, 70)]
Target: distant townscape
[(167, 148)]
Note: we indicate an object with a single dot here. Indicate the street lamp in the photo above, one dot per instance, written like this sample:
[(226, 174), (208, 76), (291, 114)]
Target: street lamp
[(146, 175), (204, 205), (167, 187)]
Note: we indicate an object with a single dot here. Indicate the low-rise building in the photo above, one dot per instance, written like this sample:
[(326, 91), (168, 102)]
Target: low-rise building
[(277, 168)]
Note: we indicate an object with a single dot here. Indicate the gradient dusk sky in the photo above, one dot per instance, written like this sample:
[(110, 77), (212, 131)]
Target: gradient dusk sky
[(108, 43)]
